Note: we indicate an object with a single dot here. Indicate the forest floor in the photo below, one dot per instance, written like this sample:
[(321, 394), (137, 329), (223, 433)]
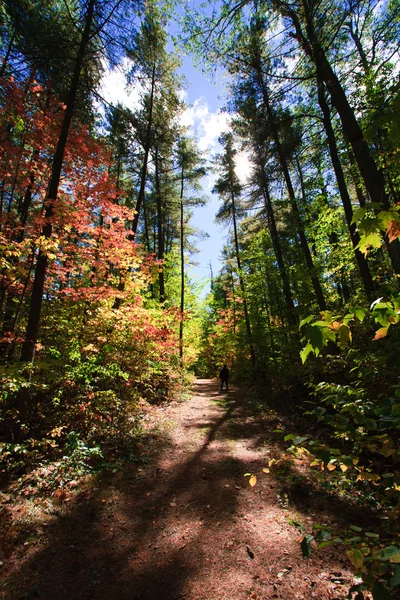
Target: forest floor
[(185, 526)]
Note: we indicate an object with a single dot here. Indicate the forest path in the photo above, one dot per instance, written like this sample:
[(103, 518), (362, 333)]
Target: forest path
[(187, 526)]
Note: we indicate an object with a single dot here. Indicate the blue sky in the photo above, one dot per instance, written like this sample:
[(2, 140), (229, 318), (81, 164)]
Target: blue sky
[(205, 99), (206, 121)]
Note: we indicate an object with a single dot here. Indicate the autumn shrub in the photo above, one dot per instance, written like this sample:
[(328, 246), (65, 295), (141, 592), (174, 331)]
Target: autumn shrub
[(95, 372)]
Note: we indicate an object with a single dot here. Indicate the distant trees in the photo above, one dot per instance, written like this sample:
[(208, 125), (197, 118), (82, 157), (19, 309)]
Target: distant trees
[(228, 189), (190, 168)]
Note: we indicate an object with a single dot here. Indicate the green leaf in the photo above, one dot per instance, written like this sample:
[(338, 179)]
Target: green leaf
[(395, 580), (372, 240), (355, 528), (299, 440), (306, 545), (306, 321), (324, 455), (393, 552), (305, 352), (359, 419), (356, 557), (296, 524), (324, 535), (381, 592), (315, 338), (388, 554), (360, 313), (385, 216), (319, 411), (347, 318), (358, 214)]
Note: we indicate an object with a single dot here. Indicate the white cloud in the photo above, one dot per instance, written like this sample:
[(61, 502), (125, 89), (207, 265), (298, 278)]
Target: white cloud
[(183, 95), (208, 126), (113, 86), (205, 124)]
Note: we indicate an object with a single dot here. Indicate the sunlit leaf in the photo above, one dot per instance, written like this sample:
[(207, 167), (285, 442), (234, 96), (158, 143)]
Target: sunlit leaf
[(366, 476), (356, 557), (360, 313), (373, 240), (305, 352), (344, 335), (381, 333), (306, 321)]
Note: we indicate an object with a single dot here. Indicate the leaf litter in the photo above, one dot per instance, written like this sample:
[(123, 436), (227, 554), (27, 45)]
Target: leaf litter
[(194, 531)]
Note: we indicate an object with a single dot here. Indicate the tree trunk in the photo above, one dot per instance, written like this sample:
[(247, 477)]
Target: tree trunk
[(182, 307), (278, 253), (7, 54), (160, 231), (13, 303), (242, 286), (370, 173), (147, 146), (146, 228), (319, 294), (28, 347), (344, 194)]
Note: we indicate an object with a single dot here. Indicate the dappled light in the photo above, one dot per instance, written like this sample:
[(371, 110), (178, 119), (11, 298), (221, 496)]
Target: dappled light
[(199, 300), (185, 524)]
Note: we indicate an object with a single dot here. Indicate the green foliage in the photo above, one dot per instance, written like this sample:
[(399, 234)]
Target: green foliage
[(373, 560), (371, 221), (365, 466), (336, 329)]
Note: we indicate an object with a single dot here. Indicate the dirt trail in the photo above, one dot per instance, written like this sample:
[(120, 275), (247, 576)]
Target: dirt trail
[(188, 526)]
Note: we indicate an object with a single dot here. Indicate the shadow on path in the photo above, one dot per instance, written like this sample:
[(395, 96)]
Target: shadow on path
[(179, 528)]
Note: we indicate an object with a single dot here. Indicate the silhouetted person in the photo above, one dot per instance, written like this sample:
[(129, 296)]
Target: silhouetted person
[(224, 376)]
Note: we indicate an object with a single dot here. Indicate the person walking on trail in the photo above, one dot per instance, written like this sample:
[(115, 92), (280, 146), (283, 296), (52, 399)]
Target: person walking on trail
[(224, 376)]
